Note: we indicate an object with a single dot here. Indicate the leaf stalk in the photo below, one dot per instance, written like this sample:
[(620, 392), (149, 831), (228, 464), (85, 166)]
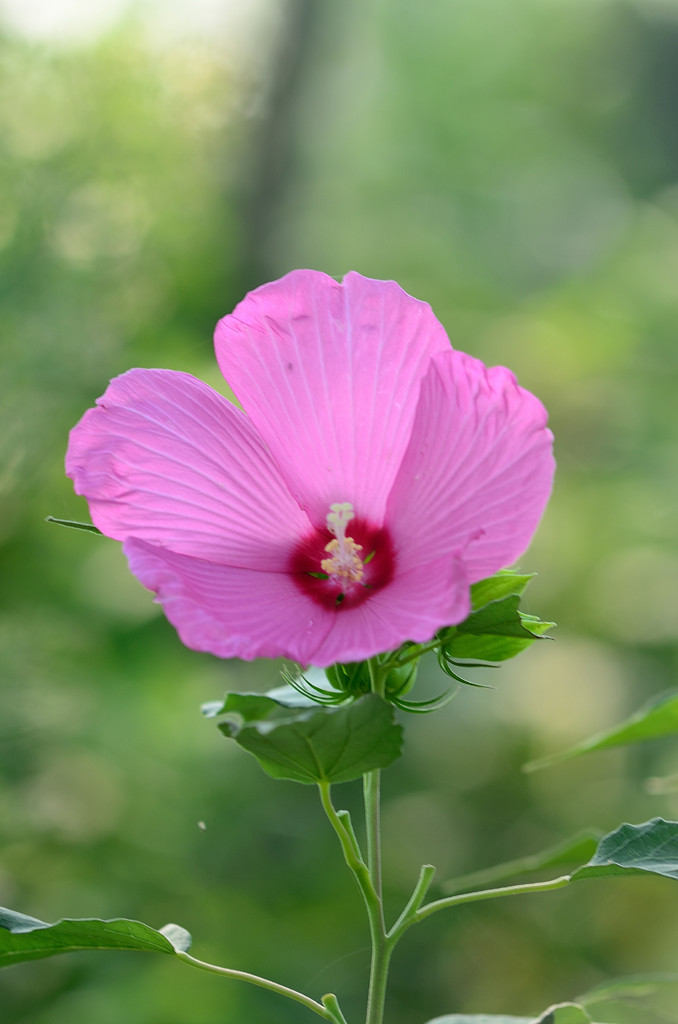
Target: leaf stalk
[(328, 1009)]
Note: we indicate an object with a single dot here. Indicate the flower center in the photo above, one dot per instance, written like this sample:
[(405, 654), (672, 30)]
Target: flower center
[(344, 564)]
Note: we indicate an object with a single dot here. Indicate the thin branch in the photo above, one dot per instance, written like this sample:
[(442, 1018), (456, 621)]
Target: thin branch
[(272, 986), (491, 894), (408, 915)]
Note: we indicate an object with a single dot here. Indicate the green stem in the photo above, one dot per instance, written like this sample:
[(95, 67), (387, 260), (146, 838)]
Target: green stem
[(328, 1009), (381, 949), (378, 675), (349, 848), (408, 915), (332, 1006), (346, 823), (367, 878), (490, 894), (381, 952), (381, 959), (371, 793)]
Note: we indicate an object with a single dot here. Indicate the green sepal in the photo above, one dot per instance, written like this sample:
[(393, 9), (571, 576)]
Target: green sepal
[(495, 588), (658, 717), (313, 744), (27, 938), (354, 677), (496, 632), (350, 678), (401, 679), (650, 848)]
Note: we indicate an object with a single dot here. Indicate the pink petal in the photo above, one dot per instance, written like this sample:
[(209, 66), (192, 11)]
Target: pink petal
[(329, 374), (477, 473), (166, 459), (238, 613), (233, 613)]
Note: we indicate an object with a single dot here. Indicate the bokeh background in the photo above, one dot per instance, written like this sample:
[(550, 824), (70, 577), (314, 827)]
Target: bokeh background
[(516, 165)]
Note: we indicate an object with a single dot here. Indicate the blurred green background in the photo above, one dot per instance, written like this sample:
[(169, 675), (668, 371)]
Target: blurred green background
[(514, 163)]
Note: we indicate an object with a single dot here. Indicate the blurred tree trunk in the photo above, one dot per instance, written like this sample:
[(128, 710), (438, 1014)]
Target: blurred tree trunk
[(271, 161)]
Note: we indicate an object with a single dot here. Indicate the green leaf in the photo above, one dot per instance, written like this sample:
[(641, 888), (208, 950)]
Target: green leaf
[(326, 744), (291, 697), (635, 849), (480, 1018), (572, 851), (26, 938), (253, 707), (494, 588), (562, 1013), (494, 633), (246, 707), (87, 527), (635, 986), (659, 717), (178, 936)]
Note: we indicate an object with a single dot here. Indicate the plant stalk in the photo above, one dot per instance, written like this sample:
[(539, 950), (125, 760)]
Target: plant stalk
[(372, 798), (328, 1009), (380, 962), (368, 878), (490, 894), (381, 948)]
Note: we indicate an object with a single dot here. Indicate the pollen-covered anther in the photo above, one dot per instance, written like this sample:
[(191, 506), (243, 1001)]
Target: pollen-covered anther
[(344, 563)]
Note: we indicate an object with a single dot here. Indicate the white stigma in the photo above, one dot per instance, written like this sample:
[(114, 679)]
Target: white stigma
[(338, 518)]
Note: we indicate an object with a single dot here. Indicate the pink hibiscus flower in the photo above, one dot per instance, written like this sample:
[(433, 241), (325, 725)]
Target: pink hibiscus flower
[(374, 474)]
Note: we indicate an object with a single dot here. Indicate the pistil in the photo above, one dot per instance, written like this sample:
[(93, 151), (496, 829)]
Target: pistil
[(344, 564)]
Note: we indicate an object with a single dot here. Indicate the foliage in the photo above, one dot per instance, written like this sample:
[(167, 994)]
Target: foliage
[(656, 718), (314, 744), (25, 938)]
